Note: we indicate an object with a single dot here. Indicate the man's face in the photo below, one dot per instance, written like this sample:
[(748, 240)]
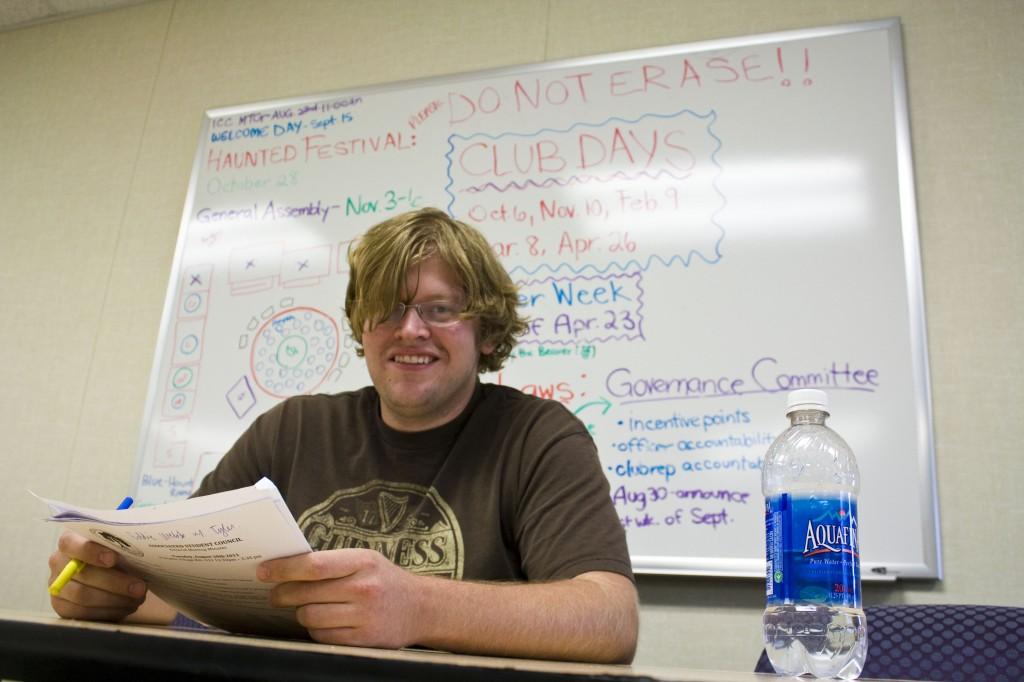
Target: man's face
[(425, 374)]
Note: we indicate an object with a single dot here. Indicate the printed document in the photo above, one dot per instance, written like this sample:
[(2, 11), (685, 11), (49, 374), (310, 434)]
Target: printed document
[(200, 555)]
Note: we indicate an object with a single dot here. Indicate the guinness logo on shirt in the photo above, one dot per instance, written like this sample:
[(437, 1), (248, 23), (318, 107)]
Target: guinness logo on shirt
[(409, 524)]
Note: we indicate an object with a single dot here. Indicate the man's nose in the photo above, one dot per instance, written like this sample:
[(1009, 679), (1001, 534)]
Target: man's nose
[(412, 325)]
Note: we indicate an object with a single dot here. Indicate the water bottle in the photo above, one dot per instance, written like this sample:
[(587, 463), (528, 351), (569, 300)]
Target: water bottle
[(813, 622)]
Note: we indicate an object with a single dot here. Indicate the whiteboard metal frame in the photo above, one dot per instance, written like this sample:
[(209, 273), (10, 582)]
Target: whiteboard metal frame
[(931, 568)]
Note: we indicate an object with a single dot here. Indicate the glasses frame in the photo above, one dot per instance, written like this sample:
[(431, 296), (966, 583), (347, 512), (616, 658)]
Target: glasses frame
[(398, 313)]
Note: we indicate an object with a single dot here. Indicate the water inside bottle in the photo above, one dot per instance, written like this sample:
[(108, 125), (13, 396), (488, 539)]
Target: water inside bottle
[(817, 639)]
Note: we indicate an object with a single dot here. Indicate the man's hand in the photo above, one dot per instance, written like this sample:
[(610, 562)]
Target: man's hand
[(99, 591), (359, 598), (348, 596)]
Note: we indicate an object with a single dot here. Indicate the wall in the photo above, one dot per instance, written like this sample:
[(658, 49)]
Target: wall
[(99, 118)]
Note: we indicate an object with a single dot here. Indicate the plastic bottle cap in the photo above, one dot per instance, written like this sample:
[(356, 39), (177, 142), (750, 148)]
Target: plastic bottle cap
[(806, 399)]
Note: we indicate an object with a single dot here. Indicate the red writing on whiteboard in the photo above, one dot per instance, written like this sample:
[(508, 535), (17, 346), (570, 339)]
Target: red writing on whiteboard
[(573, 89), (688, 74), (561, 391), (313, 148), (527, 95), (625, 148), (650, 146)]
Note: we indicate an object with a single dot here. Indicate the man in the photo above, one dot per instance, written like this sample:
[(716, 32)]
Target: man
[(445, 513)]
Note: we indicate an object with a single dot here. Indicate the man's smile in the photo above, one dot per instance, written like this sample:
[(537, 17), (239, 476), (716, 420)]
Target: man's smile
[(414, 359)]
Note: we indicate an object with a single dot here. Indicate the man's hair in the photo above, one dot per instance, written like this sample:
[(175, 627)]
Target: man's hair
[(380, 260)]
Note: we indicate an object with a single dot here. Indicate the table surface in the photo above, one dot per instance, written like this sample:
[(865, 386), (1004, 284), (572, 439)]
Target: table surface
[(35, 646)]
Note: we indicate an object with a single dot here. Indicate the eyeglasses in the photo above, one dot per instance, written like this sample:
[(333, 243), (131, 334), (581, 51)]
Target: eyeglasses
[(434, 313)]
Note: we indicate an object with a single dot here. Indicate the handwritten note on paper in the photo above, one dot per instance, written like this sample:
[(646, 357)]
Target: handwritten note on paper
[(200, 555)]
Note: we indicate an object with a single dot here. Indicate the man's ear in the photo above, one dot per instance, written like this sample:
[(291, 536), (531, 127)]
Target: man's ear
[(487, 346)]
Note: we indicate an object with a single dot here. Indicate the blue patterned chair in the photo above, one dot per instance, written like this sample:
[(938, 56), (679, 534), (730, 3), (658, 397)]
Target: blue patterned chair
[(943, 643)]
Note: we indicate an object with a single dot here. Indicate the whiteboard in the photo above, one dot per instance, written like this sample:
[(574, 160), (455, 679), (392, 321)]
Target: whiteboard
[(695, 229)]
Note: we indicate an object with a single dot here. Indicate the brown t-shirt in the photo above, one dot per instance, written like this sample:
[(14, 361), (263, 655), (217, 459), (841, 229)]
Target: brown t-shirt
[(512, 489)]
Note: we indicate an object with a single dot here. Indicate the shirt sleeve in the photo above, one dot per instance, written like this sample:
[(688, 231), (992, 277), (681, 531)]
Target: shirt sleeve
[(566, 523)]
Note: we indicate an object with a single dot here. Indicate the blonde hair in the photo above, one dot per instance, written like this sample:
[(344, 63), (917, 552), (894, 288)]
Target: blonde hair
[(380, 260)]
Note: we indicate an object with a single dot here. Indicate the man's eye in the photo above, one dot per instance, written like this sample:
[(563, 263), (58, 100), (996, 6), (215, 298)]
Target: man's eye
[(440, 308)]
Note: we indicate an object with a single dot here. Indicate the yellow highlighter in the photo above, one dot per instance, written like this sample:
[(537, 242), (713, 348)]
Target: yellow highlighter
[(74, 566)]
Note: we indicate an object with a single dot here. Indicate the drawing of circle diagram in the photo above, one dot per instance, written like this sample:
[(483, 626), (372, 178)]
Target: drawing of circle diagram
[(294, 351)]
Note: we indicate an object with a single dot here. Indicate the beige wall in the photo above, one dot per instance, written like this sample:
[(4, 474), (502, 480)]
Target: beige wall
[(99, 121)]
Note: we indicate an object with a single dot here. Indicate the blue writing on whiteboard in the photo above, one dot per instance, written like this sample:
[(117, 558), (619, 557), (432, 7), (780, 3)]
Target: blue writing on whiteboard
[(583, 308)]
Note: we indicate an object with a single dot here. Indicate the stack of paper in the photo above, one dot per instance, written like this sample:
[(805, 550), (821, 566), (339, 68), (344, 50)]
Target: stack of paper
[(200, 555)]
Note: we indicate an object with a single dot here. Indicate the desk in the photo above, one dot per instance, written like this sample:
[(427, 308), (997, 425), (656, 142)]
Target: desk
[(38, 647)]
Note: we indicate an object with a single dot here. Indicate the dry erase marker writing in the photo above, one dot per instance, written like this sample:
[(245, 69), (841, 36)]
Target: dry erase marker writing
[(74, 566)]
